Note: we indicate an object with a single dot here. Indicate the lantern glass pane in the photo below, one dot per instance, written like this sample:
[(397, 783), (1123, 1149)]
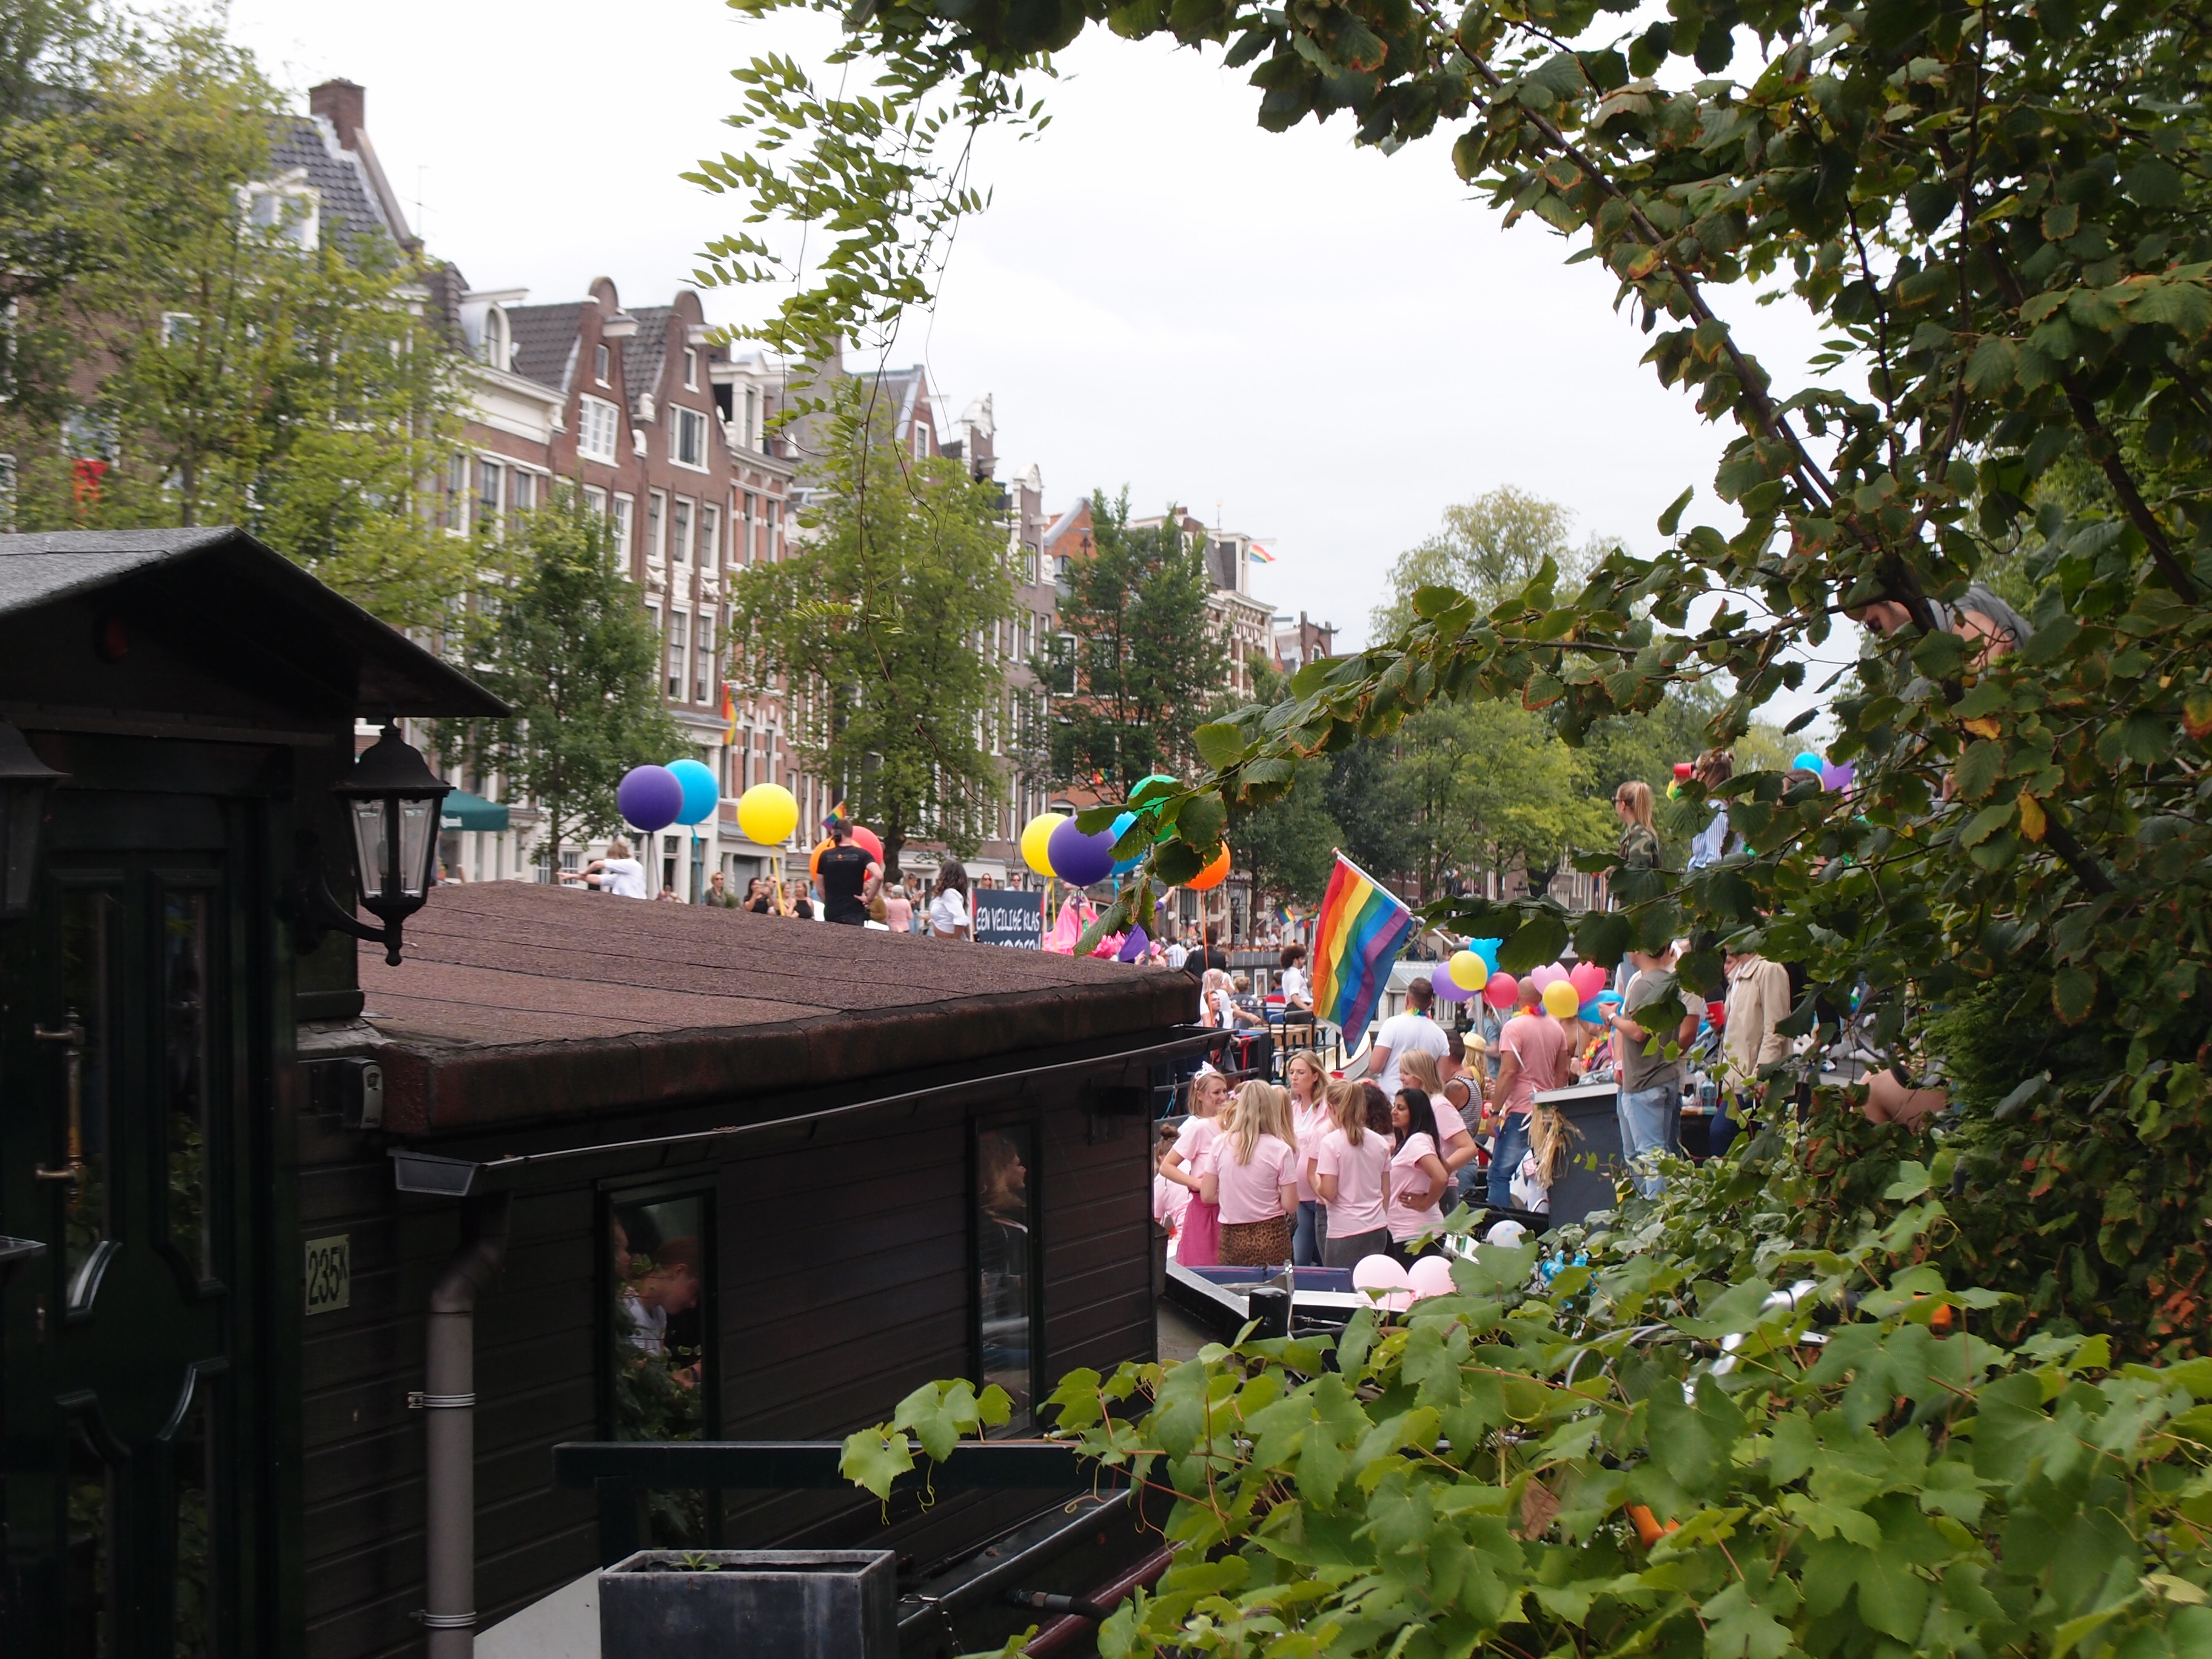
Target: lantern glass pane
[(368, 840), (418, 824), (21, 806)]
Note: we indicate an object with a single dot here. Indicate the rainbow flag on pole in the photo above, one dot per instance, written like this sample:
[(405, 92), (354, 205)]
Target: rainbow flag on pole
[(1362, 927)]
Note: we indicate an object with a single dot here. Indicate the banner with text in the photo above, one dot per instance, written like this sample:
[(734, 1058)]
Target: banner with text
[(1006, 917)]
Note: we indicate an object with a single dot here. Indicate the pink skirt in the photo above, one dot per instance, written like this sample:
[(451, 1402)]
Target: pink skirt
[(1198, 1243)]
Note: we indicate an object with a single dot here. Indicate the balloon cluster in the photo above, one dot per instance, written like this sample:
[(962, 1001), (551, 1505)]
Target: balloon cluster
[(1833, 776), (1469, 971), (1389, 1283), (652, 797), (1053, 845)]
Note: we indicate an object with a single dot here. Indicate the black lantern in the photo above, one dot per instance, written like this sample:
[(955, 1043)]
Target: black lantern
[(393, 803), (27, 783)]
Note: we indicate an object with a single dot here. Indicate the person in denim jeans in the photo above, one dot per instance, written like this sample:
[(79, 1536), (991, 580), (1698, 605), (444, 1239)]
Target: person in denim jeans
[(1532, 1057), (1649, 1104)]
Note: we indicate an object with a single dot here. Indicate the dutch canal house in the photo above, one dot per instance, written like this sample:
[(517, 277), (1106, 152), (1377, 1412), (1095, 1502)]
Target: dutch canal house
[(316, 1246)]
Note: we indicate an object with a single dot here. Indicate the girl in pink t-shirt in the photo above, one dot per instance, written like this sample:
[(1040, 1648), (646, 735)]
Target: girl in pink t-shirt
[(1309, 1121), (1198, 1241), (1418, 1176), (1251, 1171), (1350, 1169)]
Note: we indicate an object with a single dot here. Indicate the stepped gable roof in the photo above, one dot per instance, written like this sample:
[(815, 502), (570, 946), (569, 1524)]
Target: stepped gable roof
[(545, 341), (350, 210), (272, 620), (519, 1003)]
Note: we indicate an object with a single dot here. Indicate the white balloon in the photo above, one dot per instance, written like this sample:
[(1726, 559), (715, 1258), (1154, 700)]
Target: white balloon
[(1431, 1276), (1379, 1273)]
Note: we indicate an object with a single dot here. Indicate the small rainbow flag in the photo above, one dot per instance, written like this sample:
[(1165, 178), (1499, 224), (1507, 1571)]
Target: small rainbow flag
[(1362, 927), (1260, 556)]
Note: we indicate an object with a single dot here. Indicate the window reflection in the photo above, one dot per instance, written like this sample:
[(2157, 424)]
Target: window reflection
[(1004, 1262), (657, 1362), (185, 1042)]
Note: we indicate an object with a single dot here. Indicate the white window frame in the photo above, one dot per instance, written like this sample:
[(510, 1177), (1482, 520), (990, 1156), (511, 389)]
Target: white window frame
[(598, 429), (691, 369), (683, 524), (656, 526), (703, 657), (595, 500), (688, 424), (602, 365), (624, 512), (710, 536), (679, 655), (295, 210)]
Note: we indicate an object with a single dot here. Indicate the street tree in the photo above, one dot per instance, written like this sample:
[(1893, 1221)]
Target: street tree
[(1488, 548), (565, 643), (1139, 663), (874, 634), (213, 352), (1287, 846)]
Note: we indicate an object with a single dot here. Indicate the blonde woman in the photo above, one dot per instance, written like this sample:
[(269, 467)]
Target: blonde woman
[(1198, 1240), (1639, 841), (1350, 1168), (1309, 1123), (1454, 1142), (1251, 1171)]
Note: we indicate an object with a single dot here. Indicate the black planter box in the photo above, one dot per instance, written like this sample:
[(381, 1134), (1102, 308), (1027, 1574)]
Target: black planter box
[(760, 1604)]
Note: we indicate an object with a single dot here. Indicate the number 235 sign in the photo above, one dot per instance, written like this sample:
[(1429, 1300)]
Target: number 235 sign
[(330, 1273)]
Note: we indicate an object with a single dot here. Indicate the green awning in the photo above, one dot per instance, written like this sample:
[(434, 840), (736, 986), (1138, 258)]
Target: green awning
[(467, 811)]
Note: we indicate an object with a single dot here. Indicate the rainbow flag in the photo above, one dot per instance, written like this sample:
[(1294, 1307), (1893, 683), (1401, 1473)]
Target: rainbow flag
[(1362, 927)]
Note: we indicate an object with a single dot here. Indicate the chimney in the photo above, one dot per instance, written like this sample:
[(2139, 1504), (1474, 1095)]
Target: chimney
[(344, 105)]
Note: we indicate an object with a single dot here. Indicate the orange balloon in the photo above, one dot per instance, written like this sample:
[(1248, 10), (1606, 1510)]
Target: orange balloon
[(1214, 873), (814, 863)]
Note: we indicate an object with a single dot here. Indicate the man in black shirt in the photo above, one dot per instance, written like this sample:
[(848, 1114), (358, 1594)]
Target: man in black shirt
[(844, 876)]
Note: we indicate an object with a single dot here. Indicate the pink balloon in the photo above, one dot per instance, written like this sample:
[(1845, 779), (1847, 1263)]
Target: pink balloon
[(1431, 1276), (1549, 974), (1379, 1272), (1587, 979), (1501, 991)]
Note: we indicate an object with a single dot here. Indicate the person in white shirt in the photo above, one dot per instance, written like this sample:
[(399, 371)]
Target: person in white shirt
[(1297, 990), (617, 873), (1401, 1032), (948, 909)]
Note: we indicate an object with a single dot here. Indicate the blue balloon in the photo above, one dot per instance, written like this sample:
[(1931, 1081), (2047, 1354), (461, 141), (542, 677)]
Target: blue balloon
[(1121, 826), (1488, 950), (1806, 761), (1589, 1011), (649, 797), (702, 794)]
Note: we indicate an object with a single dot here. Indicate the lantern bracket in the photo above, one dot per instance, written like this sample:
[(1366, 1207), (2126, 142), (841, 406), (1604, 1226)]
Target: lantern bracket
[(314, 910)]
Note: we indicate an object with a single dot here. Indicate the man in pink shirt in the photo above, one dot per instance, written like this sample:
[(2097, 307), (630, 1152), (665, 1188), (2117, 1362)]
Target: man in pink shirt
[(1532, 1057)]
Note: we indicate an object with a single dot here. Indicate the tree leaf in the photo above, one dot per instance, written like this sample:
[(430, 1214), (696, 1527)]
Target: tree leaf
[(1220, 744), (875, 1458), (1979, 769), (2073, 992)]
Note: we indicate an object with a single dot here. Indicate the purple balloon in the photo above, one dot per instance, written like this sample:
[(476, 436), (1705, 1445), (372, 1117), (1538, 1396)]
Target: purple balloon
[(1079, 859), (1133, 947), (649, 797), (1838, 774), (1446, 986)]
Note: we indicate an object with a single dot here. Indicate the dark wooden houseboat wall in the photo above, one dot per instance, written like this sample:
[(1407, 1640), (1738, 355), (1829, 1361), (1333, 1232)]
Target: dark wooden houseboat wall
[(528, 1020)]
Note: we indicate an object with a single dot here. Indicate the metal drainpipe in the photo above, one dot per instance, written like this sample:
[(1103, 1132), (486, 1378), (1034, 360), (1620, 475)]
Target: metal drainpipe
[(449, 1397)]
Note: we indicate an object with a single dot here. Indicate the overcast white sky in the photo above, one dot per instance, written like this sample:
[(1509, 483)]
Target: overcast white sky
[(1319, 344)]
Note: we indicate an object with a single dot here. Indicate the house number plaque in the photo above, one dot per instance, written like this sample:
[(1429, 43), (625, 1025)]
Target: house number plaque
[(330, 1273)]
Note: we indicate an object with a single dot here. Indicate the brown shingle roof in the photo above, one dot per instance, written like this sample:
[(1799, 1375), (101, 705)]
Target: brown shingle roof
[(518, 1001)]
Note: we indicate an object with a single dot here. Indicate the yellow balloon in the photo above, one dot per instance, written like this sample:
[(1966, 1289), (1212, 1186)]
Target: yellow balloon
[(1034, 840), (768, 813), (1469, 971), (1559, 999)]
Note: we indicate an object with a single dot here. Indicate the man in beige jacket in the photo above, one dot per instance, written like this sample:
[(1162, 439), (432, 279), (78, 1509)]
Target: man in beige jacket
[(1757, 1001)]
